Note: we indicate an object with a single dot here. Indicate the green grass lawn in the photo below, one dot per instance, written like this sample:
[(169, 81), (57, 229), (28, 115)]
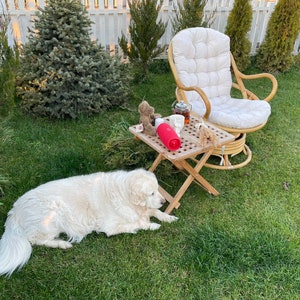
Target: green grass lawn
[(243, 244)]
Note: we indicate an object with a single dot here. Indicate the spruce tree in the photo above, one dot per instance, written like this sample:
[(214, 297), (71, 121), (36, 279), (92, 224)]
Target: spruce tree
[(63, 73), (238, 25), (190, 14), (145, 30), (275, 53)]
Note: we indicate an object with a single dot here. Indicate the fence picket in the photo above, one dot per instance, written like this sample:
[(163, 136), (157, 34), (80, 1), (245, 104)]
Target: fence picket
[(111, 17)]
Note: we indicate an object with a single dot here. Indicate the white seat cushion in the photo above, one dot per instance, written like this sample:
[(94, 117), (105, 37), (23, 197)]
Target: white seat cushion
[(235, 113)]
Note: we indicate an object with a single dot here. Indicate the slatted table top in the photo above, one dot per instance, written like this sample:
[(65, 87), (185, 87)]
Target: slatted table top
[(190, 145)]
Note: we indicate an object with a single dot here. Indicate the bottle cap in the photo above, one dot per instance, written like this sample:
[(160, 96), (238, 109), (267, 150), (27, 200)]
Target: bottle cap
[(174, 144), (181, 106)]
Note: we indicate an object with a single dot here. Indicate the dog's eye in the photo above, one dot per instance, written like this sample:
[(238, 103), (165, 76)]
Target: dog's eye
[(152, 194)]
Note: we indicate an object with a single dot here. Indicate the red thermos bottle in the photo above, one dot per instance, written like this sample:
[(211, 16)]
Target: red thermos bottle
[(167, 135)]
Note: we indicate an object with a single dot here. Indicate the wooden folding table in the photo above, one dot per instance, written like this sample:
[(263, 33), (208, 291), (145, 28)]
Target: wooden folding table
[(189, 150)]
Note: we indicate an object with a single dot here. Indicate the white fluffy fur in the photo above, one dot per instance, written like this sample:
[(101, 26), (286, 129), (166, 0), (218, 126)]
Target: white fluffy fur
[(113, 203)]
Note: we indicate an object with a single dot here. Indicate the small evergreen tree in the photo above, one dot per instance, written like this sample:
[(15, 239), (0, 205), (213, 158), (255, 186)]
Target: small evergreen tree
[(63, 73), (238, 25), (8, 66), (190, 14), (145, 30), (275, 53)]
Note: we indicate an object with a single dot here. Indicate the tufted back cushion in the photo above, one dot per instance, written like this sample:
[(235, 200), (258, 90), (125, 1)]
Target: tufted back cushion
[(202, 58)]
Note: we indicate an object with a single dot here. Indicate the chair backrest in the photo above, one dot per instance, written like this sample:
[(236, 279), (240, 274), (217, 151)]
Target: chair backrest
[(202, 59)]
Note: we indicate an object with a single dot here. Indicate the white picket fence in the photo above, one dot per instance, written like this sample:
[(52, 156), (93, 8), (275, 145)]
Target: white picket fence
[(111, 17)]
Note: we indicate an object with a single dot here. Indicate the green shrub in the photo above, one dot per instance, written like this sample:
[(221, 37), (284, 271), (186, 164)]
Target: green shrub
[(5, 137), (63, 73), (8, 66), (275, 53), (159, 66), (238, 25), (145, 30), (190, 14)]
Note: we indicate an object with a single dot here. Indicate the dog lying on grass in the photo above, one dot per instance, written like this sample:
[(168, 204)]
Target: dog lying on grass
[(113, 203)]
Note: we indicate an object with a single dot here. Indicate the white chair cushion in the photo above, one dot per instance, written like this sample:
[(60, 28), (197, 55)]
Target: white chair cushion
[(202, 59), (235, 113)]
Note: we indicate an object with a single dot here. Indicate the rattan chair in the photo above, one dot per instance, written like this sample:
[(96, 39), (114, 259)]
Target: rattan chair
[(204, 68)]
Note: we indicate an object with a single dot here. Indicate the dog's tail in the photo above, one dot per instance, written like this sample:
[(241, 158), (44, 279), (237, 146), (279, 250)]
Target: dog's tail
[(15, 249)]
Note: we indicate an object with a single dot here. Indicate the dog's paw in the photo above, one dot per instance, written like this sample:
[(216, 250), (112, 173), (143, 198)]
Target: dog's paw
[(167, 218), (55, 244), (64, 245), (154, 226), (171, 219)]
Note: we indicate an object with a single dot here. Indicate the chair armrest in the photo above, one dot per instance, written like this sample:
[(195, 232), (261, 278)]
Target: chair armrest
[(245, 92), (263, 75), (202, 94)]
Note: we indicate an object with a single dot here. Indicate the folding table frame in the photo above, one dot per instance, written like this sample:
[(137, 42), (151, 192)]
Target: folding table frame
[(190, 150)]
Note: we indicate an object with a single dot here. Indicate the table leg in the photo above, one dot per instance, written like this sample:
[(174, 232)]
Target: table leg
[(163, 192), (193, 175), (157, 161)]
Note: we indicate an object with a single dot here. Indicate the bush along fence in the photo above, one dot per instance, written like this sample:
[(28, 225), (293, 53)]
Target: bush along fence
[(111, 17)]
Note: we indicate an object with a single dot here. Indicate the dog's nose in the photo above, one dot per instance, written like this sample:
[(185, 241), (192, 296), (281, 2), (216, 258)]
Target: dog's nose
[(163, 201)]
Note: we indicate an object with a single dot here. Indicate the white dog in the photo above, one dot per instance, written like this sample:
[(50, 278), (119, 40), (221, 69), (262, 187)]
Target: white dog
[(113, 203)]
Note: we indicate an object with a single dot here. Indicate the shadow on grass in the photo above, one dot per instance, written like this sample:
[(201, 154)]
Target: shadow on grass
[(214, 251), (239, 264)]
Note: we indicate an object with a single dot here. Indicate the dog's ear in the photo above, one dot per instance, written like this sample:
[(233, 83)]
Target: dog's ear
[(138, 181), (137, 194)]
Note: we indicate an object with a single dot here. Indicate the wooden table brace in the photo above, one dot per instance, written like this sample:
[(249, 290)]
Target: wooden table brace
[(193, 175)]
